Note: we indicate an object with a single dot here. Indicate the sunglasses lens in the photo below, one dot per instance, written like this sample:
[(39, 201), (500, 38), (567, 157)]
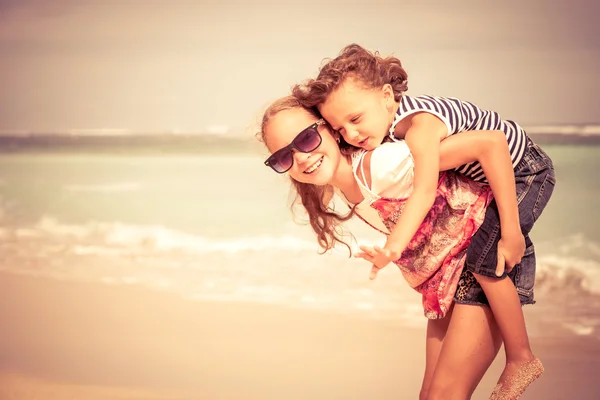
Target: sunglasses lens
[(281, 161), (308, 140)]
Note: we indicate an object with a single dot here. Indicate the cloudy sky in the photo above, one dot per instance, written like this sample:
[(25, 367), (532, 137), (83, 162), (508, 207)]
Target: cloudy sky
[(187, 65)]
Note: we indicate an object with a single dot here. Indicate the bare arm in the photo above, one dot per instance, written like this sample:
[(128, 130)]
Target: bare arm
[(423, 137), (491, 150)]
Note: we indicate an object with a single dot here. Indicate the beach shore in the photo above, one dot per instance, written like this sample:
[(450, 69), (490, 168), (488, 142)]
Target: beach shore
[(74, 340)]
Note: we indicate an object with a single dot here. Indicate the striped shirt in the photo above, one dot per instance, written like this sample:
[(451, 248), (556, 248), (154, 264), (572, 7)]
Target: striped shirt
[(460, 116)]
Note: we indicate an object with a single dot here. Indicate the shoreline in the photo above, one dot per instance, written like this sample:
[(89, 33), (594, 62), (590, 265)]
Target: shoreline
[(143, 144)]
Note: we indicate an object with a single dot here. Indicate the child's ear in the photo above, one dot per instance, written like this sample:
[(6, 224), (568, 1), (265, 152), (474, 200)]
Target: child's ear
[(388, 94)]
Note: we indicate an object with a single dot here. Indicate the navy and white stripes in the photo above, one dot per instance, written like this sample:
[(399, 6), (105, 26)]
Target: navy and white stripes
[(460, 116)]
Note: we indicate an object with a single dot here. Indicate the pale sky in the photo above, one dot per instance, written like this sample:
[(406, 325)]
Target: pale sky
[(160, 64)]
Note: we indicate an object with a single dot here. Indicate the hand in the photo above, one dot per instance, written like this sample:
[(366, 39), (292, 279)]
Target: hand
[(510, 251), (377, 256)]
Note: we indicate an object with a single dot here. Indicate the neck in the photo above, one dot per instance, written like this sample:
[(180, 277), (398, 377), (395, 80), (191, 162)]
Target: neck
[(393, 117), (344, 179)]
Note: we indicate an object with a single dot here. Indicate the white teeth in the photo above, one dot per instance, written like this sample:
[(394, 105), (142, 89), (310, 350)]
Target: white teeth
[(314, 166)]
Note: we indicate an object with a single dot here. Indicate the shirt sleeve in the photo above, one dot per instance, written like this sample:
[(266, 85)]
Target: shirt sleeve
[(454, 113), (392, 170)]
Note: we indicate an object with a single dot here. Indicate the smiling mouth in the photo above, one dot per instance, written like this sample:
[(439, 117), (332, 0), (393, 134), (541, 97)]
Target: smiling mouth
[(314, 167)]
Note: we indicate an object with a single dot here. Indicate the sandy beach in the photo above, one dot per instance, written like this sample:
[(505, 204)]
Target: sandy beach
[(66, 340)]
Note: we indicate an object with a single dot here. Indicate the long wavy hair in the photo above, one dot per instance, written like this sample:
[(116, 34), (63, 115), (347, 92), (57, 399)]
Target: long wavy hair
[(355, 62), (325, 222)]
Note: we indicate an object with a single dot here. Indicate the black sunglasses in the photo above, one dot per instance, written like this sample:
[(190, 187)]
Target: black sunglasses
[(306, 141)]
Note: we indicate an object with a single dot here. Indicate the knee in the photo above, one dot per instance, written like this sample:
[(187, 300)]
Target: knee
[(433, 395), (437, 392)]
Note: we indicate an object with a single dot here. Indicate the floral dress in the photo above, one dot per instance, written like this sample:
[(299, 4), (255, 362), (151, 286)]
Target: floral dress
[(434, 258)]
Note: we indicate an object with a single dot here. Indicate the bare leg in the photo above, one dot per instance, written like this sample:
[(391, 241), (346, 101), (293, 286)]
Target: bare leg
[(436, 332), (471, 344), (522, 367)]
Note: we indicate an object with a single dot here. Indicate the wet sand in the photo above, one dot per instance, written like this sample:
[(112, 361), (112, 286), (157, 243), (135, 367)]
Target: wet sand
[(67, 340)]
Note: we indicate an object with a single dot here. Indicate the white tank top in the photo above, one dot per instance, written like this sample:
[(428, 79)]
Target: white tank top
[(392, 176)]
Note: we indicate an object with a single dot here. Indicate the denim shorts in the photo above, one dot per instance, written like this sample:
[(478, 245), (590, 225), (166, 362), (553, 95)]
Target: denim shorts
[(535, 180)]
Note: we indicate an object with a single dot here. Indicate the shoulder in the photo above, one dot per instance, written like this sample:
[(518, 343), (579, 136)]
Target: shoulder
[(387, 154), (431, 113), (387, 164), (390, 151)]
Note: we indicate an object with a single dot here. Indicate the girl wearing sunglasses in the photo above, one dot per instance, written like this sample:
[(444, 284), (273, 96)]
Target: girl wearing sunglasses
[(376, 186)]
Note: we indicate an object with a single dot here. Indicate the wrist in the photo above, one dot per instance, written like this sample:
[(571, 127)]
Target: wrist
[(510, 231), (510, 224), (394, 250)]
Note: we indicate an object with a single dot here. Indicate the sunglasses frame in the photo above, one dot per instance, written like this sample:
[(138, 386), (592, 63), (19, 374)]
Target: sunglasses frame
[(293, 146)]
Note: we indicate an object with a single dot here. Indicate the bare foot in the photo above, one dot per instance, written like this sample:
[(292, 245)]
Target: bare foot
[(515, 379)]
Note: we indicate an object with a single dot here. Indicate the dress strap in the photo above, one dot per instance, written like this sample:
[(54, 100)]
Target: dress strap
[(358, 162)]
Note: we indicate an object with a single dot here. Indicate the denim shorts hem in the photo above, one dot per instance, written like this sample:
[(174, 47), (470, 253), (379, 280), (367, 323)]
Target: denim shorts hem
[(482, 304), (471, 303)]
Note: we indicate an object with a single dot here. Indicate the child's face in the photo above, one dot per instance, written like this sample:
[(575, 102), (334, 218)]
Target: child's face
[(363, 116), (317, 167)]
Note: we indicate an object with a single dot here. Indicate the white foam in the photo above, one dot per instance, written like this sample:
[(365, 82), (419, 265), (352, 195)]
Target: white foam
[(573, 265), (579, 329), (163, 239), (308, 299), (51, 226), (27, 232), (130, 280), (96, 250), (364, 306)]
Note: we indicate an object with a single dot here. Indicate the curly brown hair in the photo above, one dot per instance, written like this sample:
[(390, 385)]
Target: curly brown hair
[(356, 62), (325, 222)]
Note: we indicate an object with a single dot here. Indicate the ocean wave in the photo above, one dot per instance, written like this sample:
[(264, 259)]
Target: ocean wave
[(568, 275), (282, 270), (160, 238), (572, 266)]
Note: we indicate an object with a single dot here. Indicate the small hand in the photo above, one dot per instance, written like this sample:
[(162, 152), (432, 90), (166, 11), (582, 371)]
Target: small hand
[(510, 252), (377, 256)]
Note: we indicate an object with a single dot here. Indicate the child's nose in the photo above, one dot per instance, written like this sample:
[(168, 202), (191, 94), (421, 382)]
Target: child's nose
[(352, 135)]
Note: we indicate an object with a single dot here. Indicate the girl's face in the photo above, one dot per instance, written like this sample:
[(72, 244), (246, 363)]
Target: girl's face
[(361, 115), (317, 167)]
